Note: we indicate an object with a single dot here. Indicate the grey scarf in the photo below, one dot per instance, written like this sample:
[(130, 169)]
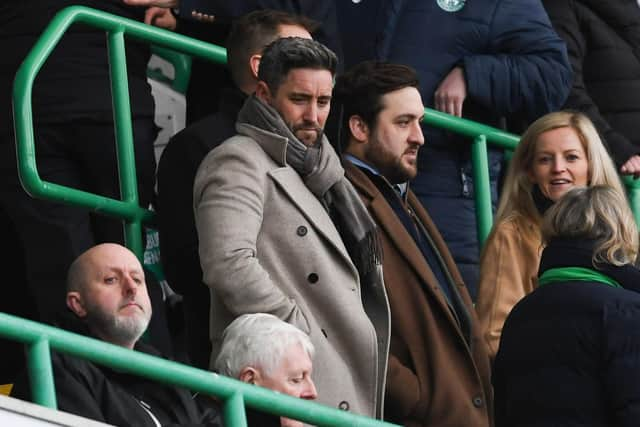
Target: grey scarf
[(320, 169)]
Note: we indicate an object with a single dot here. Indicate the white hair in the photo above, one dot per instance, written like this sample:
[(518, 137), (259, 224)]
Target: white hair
[(259, 340)]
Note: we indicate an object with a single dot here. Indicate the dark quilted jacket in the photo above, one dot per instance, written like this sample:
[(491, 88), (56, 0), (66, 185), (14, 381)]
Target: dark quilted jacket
[(603, 41)]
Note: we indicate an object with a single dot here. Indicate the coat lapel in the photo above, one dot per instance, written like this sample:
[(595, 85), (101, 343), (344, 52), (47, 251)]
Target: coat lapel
[(463, 301), (389, 224), (292, 185)]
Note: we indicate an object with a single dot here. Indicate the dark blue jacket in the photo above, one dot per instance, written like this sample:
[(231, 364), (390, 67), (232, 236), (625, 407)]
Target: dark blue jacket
[(322, 11), (570, 351), (515, 63)]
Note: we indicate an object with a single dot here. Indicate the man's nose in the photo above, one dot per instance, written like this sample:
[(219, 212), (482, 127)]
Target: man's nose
[(309, 391), (129, 286), (311, 113), (416, 136)]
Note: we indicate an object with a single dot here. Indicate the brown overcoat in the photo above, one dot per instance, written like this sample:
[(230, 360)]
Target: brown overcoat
[(438, 373)]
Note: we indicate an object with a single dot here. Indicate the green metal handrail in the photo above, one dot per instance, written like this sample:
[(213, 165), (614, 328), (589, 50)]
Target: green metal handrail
[(116, 27), (40, 339), (481, 135), (633, 192), (181, 65)]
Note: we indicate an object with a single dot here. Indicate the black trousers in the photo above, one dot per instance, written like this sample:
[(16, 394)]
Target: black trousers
[(78, 154)]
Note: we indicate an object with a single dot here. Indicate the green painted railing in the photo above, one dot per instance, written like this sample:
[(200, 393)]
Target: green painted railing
[(41, 339), (181, 65), (128, 208), (480, 135)]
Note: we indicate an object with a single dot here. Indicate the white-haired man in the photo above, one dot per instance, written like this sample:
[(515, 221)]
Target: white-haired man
[(263, 350)]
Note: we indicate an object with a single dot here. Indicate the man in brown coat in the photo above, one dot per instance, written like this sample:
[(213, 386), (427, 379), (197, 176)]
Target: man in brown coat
[(439, 373)]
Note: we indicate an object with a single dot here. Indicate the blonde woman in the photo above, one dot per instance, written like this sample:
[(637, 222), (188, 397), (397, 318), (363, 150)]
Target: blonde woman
[(570, 350), (559, 151)]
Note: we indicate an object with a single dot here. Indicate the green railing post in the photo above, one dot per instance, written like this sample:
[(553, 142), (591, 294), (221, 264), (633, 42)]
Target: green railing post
[(234, 411), (481, 135), (481, 188), (23, 114), (41, 374), (633, 193), (124, 136)]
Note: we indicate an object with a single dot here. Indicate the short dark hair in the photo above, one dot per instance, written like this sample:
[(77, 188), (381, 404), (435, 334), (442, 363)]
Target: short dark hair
[(285, 54), (359, 91), (252, 32)]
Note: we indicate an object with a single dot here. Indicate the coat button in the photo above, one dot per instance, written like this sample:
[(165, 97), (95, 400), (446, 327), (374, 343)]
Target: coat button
[(344, 405), (312, 278), (477, 402), (301, 231)]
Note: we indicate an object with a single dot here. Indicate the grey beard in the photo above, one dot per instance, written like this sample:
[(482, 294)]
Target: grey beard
[(117, 329)]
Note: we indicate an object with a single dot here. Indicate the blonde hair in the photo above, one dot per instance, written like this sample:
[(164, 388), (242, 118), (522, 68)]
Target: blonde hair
[(600, 213), (516, 202)]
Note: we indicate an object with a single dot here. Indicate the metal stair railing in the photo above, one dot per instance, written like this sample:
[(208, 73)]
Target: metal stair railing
[(40, 339), (128, 208)]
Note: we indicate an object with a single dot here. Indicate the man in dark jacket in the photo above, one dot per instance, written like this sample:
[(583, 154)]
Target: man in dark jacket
[(482, 60), (108, 296), (603, 40), (182, 156), (438, 366), (210, 20)]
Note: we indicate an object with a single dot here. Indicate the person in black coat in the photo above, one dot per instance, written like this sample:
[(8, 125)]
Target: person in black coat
[(184, 153), (211, 20), (570, 350), (603, 41)]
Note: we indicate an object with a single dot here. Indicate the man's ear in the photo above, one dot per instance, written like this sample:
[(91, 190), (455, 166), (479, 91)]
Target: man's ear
[(263, 93), (359, 129), (249, 375), (74, 302), (254, 64)]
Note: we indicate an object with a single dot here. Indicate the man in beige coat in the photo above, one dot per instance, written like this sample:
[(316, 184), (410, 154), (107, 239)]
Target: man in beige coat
[(283, 232)]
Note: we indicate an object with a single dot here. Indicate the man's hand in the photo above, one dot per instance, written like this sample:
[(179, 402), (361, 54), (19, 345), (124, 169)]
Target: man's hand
[(150, 3), (451, 93), (631, 166), (160, 17)]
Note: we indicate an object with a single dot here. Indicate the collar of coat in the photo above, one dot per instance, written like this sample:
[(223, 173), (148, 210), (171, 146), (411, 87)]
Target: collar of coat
[(578, 253), (387, 220), (273, 144)]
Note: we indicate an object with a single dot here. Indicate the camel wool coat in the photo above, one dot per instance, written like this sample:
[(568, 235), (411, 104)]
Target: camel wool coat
[(268, 245), (439, 373)]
